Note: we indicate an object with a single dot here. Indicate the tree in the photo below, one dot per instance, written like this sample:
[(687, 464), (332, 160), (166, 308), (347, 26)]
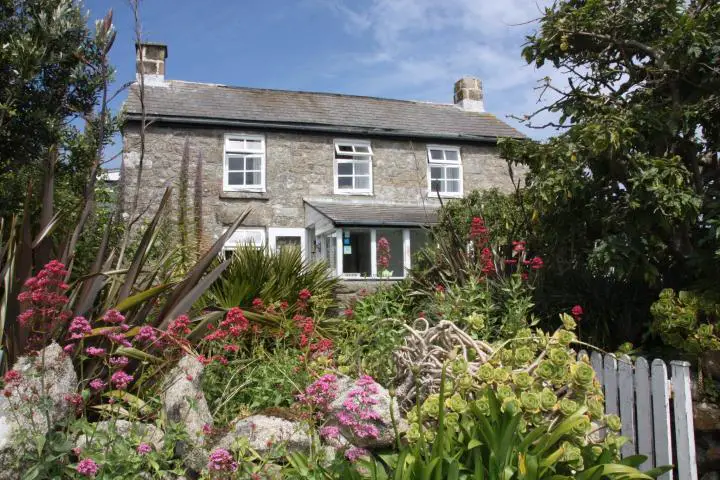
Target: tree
[(628, 194), (51, 77)]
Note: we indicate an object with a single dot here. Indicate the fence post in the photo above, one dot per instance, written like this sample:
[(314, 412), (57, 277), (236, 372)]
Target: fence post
[(644, 412), (684, 428), (661, 417), (626, 387)]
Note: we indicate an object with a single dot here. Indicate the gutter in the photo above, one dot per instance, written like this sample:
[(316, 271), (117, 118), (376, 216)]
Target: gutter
[(304, 127)]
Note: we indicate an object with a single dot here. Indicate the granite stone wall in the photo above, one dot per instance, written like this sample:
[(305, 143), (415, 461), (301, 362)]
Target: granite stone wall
[(299, 166)]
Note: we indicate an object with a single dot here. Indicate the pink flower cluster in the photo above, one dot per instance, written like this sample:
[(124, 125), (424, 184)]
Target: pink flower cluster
[(180, 326), (146, 334), (120, 379), (87, 468), (321, 393), (44, 302), (144, 449), (233, 326), (355, 453), (221, 461), (383, 253), (358, 412), (79, 328)]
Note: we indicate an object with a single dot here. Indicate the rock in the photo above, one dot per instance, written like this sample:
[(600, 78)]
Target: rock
[(184, 402), (264, 432), (143, 432), (46, 378), (706, 417), (376, 398), (710, 364)]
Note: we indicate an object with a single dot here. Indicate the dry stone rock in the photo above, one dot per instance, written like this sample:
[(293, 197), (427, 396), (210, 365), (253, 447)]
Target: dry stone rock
[(184, 402), (45, 379), (706, 417), (264, 433)]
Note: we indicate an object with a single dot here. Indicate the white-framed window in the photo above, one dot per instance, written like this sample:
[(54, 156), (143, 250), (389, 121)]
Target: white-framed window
[(245, 237), (444, 171), (353, 167), (244, 163), (280, 238)]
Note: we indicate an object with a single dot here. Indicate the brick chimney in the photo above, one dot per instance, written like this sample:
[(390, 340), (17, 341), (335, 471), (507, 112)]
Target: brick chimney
[(152, 64), (469, 94)]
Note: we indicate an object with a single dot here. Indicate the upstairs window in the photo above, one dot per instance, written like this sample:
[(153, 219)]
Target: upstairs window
[(244, 165), (353, 167), (444, 171)]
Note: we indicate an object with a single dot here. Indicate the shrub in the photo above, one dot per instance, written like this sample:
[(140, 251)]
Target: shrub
[(273, 277), (686, 322)]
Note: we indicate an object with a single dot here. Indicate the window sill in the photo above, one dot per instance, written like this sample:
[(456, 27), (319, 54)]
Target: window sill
[(444, 195), (369, 279), (226, 194), (348, 193)]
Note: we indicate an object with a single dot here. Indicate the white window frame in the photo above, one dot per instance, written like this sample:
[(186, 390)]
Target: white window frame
[(407, 257), (239, 238), (444, 164), (274, 232), (246, 151), (353, 144)]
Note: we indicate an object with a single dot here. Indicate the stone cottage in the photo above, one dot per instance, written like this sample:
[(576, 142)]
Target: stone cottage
[(334, 175)]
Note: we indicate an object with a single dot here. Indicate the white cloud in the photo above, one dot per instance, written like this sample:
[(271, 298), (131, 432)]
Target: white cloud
[(418, 48)]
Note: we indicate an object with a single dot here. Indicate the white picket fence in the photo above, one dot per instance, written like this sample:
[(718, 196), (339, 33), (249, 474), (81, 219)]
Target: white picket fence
[(643, 396)]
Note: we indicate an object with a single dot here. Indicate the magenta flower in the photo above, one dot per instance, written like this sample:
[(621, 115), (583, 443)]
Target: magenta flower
[(97, 384), (146, 334), (79, 327), (221, 461), (120, 380), (119, 362), (330, 433), (87, 468), (95, 352), (68, 349), (354, 453), (144, 449), (113, 316)]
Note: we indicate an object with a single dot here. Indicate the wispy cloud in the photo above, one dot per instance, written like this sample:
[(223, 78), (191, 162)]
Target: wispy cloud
[(418, 48)]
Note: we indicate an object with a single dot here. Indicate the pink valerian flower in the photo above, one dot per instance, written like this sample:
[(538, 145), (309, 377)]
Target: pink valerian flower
[(117, 337), (383, 253), (537, 263), (355, 453), (487, 261), (120, 379), (322, 346), (221, 461), (518, 246), (44, 302), (113, 316), (321, 393), (146, 334), (231, 348), (349, 312), (97, 384), (305, 294), (119, 362), (358, 413), (79, 328), (258, 304), (144, 449), (207, 429), (234, 325), (439, 288), (479, 232), (180, 326), (330, 432), (87, 468), (68, 349), (12, 377), (74, 399), (95, 351), (577, 311)]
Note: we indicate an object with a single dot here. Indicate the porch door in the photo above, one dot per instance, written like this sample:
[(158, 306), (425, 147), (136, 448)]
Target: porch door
[(280, 238)]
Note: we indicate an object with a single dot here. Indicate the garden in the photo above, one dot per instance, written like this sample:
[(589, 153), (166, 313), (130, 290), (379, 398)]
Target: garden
[(132, 349)]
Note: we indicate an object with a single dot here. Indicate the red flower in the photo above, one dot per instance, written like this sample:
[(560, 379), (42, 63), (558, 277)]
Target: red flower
[(439, 288), (349, 312), (478, 231), (577, 311), (518, 246), (537, 263), (258, 304), (305, 294)]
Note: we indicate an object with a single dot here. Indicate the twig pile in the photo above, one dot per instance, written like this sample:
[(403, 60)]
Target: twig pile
[(419, 362)]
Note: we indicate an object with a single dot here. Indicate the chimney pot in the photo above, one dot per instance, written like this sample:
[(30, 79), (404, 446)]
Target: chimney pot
[(469, 94), (150, 62)]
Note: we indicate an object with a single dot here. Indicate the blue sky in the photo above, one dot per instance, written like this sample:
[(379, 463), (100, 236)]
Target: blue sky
[(405, 49)]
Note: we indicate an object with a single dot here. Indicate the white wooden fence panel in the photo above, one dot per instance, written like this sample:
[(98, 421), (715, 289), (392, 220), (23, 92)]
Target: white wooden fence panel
[(626, 388), (611, 385), (684, 428), (644, 412), (661, 417), (640, 394)]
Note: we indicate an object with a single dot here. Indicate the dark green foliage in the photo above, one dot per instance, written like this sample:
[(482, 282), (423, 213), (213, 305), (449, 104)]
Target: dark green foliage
[(52, 72), (625, 201)]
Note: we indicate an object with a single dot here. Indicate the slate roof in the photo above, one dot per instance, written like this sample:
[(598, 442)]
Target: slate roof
[(341, 213), (210, 104)]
